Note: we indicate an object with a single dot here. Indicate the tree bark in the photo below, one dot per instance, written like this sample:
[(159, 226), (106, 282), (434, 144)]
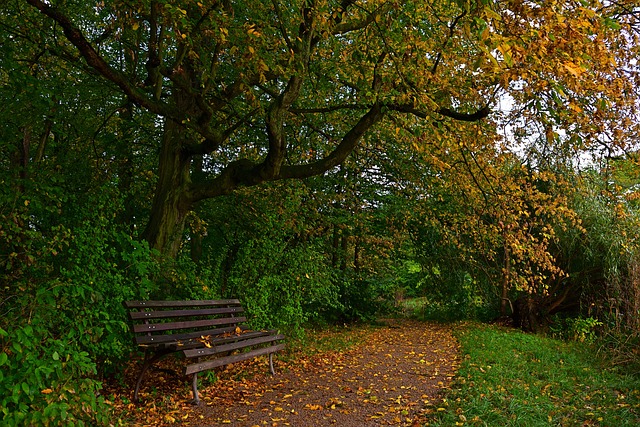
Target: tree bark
[(170, 206), (506, 278)]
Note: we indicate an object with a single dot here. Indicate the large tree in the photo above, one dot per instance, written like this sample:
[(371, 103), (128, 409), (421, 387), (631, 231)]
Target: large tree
[(266, 90)]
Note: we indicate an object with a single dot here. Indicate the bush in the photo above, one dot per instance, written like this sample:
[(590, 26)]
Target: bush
[(101, 269), (283, 286), (580, 329), (364, 300), (46, 380), (62, 325)]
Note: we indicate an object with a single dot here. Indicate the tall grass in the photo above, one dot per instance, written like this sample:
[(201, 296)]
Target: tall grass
[(508, 378)]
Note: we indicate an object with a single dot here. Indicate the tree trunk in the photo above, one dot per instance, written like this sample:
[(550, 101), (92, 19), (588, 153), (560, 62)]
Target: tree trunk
[(195, 233), (170, 205), (533, 313), (528, 314), (506, 278)]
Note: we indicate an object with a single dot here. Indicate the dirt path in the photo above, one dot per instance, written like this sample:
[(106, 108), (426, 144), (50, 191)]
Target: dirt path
[(394, 378)]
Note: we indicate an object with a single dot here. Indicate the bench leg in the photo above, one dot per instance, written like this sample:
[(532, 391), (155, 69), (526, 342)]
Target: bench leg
[(194, 388), (148, 361), (273, 372)]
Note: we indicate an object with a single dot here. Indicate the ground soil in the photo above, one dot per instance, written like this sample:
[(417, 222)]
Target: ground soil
[(395, 375)]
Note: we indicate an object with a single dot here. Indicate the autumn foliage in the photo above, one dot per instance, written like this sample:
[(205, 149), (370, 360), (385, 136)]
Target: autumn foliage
[(319, 159)]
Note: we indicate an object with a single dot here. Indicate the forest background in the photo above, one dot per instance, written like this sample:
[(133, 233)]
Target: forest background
[(320, 160)]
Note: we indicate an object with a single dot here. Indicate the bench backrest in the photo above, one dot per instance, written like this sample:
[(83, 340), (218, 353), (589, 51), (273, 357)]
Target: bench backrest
[(157, 323)]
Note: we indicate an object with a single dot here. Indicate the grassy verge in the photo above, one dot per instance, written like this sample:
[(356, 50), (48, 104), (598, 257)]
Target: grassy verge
[(509, 378)]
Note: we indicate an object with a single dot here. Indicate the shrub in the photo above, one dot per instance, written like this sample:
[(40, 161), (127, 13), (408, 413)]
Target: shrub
[(581, 329), (46, 380), (62, 325)]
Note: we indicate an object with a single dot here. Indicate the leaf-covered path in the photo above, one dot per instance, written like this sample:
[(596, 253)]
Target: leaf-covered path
[(394, 377)]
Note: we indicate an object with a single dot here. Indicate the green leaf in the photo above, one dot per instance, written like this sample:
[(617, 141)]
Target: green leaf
[(3, 358)]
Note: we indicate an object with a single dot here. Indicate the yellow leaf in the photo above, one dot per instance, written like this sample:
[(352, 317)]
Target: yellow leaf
[(46, 391), (575, 107), (505, 50), (135, 26), (313, 407), (574, 69)]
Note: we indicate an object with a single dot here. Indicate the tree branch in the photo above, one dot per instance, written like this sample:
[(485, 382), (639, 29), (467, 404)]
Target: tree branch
[(75, 36), (465, 117), (247, 173), (347, 27), (337, 156), (452, 27), (329, 109)]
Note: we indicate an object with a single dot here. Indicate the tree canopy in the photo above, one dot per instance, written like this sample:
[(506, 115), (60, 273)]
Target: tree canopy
[(265, 90)]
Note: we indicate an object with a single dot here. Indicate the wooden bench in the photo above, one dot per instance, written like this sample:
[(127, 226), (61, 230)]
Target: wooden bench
[(208, 333)]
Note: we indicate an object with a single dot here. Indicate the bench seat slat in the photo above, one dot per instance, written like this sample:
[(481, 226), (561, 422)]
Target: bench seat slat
[(243, 336), (243, 343), (166, 314), (152, 340), (210, 364), (187, 324), (195, 340), (195, 303)]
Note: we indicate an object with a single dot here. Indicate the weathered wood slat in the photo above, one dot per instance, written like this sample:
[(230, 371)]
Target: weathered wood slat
[(245, 335), (166, 314), (187, 324), (195, 303), (172, 338), (242, 343), (221, 361), (196, 342)]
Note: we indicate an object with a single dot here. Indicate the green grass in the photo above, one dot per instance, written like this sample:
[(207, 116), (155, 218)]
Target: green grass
[(508, 378)]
